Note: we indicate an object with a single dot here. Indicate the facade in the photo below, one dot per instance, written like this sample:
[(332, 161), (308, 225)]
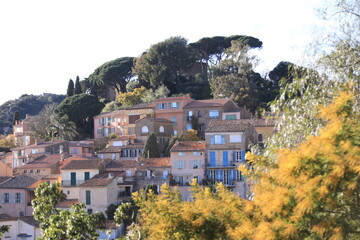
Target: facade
[(124, 147), (188, 162), (21, 132), (20, 227), (226, 143), (108, 123), (202, 111), (81, 148), (135, 113), (5, 170), (24, 155), (171, 108), (162, 128), (15, 197)]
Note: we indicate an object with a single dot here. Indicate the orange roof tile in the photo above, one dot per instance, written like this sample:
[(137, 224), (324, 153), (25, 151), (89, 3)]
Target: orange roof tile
[(189, 146), (67, 203), (154, 162)]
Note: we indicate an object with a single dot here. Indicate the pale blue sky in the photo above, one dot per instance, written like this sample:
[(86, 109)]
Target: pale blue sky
[(45, 43)]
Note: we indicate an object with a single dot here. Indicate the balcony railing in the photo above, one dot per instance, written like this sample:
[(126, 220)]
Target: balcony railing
[(230, 165), (70, 183), (226, 182)]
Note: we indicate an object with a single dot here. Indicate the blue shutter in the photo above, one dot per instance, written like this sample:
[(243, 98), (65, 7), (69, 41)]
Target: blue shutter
[(21, 198), (212, 139), (234, 174), (222, 139), (208, 174), (234, 156), (3, 198), (225, 158), (230, 177), (212, 159), (222, 175), (243, 156)]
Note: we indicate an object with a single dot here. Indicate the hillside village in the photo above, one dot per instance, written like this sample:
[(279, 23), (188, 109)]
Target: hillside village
[(106, 171)]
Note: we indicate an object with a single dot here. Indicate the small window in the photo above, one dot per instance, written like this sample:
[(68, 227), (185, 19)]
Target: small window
[(190, 113), (214, 113), (260, 138), (195, 164), (236, 138), (128, 172), (88, 197), (197, 153), (199, 113), (182, 154), (174, 120), (144, 129), (37, 170), (188, 127), (75, 151), (174, 105), (161, 129), (175, 132), (6, 197), (180, 164), (18, 198), (25, 171), (31, 171)]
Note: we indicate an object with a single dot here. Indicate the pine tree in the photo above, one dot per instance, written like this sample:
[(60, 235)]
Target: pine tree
[(77, 86), (70, 90), (151, 148)]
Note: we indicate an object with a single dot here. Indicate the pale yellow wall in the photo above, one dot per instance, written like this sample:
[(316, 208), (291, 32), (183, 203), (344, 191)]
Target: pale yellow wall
[(188, 172)]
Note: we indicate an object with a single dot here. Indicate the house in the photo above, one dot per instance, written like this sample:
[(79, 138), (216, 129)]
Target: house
[(202, 111), (162, 128), (100, 191), (23, 155), (81, 148), (226, 143), (7, 158), (124, 147), (5, 169), (41, 165), (188, 159), (112, 230), (264, 129), (110, 122), (21, 132), (135, 113), (20, 227), (76, 172), (171, 108), (15, 197)]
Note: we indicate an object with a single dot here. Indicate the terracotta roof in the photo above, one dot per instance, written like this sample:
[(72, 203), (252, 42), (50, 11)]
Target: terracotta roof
[(122, 138), (154, 162), (186, 96), (19, 182), (40, 145), (154, 119), (45, 179), (102, 179), (67, 203), (123, 164), (189, 146), (219, 102), (42, 162), (83, 164), (227, 126), (111, 114), (140, 106)]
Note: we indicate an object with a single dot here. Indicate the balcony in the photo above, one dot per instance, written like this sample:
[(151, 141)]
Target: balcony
[(230, 165), (69, 183), (226, 182)]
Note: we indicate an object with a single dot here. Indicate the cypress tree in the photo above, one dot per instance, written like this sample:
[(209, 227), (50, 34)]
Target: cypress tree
[(70, 90), (77, 86), (151, 148), (16, 117)]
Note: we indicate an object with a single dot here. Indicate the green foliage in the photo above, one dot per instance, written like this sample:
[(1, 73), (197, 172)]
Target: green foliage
[(112, 106), (116, 73), (77, 89), (7, 142), (3, 229), (132, 98), (70, 89), (151, 148), (26, 104), (63, 224), (172, 142), (16, 117), (80, 109), (162, 63), (110, 211)]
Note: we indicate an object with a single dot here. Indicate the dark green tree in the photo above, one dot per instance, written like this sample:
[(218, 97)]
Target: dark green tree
[(110, 211), (172, 142), (70, 89), (77, 86), (16, 117), (162, 64), (63, 224), (116, 73), (81, 109), (151, 148), (3, 229)]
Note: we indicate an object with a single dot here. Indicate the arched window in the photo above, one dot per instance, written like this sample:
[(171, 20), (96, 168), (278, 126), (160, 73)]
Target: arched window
[(144, 129), (161, 129), (260, 138)]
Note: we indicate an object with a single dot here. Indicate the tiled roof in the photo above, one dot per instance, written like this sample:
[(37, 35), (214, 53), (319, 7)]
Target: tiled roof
[(173, 98), (19, 182), (4, 179), (39, 145), (67, 203), (123, 164), (5, 217), (123, 138), (30, 220), (227, 126), (42, 162), (113, 149), (154, 119), (111, 114), (154, 162), (102, 179), (83, 164), (50, 178), (140, 106), (189, 146), (79, 144), (219, 102)]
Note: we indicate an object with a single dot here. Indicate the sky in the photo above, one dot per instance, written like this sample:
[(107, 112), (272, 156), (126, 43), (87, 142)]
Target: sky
[(45, 43)]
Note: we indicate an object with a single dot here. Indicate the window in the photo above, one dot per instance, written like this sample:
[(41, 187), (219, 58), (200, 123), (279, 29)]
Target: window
[(75, 151), (6, 198), (101, 155), (128, 172), (165, 173), (25, 171), (236, 138), (239, 176), (161, 129), (188, 127), (195, 164), (18, 198), (31, 171), (117, 143), (260, 138), (89, 211), (199, 113), (212, 174), (175, 132), (237, 156), (214, 113), (182, 154), (217, 139), (190, 113), (34, 151), (88, 197), (174, 105), (161, 106), (86, 176), (37, 170), (174, 120), (113, 155), (197, 153), (230, 117), (180, 164), (144, 129), (73, 179)]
